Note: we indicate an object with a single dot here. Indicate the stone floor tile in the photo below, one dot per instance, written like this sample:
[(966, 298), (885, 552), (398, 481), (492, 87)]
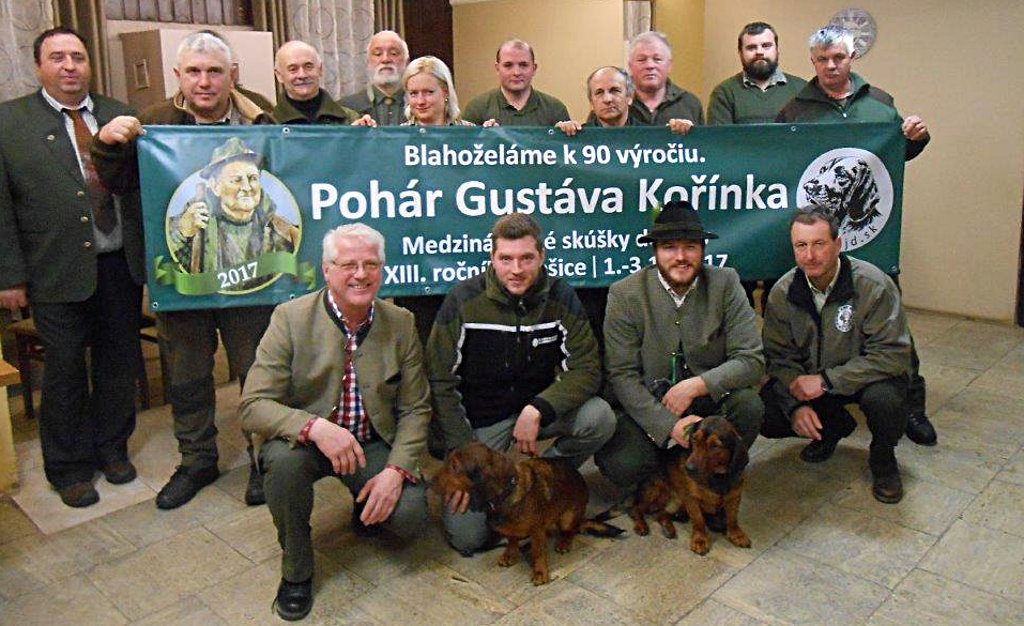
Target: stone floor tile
[(643, 575), (1013, 472), (38, 560), (383, 558), (926, 506), (860, 544), (14, 524), (714, 613), (562, 603), (72, 600), (924, 598), (432, 594), (188, 611), (999, 507), (972, 344), (942, 382), (41, 502), (1003, 418), (513, 582), (159, 575), (144, 524), (250, 531), (782, 586), (247, 597), (928, 326), (1005, 377), (981, 557)]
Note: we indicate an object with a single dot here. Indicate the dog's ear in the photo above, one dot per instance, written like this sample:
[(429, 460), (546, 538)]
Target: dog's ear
[(740, 457), (863, 195), (455, 463)]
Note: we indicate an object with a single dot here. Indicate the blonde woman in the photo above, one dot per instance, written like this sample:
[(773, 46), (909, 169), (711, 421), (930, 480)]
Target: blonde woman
[(430, 95)]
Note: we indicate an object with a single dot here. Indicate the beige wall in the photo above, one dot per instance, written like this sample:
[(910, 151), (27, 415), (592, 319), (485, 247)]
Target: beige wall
[(958, 65), (683, 22), (570, 38)]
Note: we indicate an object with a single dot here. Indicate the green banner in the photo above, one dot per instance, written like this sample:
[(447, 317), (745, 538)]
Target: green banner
[(235, 216)]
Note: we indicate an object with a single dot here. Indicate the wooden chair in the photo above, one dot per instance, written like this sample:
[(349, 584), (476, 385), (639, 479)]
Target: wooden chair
[(29, 348)]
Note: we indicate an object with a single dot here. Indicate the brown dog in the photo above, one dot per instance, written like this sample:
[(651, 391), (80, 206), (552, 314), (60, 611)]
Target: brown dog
[(705, 481), (528, 499)]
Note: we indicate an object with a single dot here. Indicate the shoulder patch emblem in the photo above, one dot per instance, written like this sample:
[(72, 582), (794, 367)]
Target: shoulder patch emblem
[(844, 318)]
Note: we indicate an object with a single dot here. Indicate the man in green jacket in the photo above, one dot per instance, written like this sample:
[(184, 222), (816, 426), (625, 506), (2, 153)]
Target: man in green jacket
[(515, 102), (754, 96), (512, 357), (206, 95), (834, 334), (299, 69), (74, 253), (834, 95), (681, 343), (383, 98), (339, 389), (658, 101)]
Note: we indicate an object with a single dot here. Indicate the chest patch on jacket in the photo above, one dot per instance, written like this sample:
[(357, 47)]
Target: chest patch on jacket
[(844, 318)]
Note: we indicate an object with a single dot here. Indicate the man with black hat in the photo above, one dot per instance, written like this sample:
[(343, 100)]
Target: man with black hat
[(681, 344)]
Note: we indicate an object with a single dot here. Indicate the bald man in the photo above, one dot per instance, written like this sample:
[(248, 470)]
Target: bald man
[(299, 69)]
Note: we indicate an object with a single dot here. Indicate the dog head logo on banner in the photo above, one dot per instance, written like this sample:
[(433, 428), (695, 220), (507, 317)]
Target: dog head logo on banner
[(853, 185), (232, 227)]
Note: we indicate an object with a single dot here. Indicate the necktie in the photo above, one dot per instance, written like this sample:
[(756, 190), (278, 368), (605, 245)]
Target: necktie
[(102, 203)]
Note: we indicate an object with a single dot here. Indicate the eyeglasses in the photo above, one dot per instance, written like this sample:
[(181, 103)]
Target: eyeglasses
[(351, 267)]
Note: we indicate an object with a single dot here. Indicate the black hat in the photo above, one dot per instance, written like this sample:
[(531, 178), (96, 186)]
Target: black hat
[(677, 220)]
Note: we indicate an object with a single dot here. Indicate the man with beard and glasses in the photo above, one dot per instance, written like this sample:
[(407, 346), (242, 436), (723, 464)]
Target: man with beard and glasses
[(383, 99), (754, 96), (680, 344)]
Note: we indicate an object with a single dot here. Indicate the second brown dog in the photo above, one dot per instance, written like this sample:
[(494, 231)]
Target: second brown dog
[(526, 500), (706, 481)]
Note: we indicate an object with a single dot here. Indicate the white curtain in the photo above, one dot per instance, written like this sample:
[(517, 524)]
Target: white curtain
[(20, 22), (637, 18), (340, 31)]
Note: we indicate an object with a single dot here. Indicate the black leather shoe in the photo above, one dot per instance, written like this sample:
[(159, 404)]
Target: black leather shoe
[(921, 431), (887, 488), (79, 495), (819, 450), (254, 490), (119, 472), (184, 485), (294, 600)]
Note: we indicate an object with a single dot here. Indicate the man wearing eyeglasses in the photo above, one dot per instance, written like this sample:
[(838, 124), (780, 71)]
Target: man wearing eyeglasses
[(339, 389)]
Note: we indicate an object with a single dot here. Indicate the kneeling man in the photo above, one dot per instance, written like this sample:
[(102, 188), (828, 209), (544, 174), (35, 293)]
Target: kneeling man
[(682, 344), (338, 389), (834, 334), (512, 356)]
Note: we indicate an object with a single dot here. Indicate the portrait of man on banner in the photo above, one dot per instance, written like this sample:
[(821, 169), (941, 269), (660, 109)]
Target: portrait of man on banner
[(232, 226)]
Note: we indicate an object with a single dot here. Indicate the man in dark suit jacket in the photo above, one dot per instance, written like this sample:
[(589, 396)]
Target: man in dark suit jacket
[(75, 253)]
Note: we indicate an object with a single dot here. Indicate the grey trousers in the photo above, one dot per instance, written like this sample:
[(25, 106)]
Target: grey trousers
[(579, 433), (288, 483), (630, 456), (192, 341)]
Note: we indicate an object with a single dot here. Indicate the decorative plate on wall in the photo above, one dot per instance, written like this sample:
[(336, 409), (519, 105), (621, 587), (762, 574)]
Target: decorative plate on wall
[(860, 24)]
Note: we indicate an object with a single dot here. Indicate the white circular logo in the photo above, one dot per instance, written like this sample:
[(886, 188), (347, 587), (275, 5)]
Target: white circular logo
[(853, 186), (844, 318)]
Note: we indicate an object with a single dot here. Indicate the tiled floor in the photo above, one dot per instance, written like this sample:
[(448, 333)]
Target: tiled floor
[(824, 551)]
